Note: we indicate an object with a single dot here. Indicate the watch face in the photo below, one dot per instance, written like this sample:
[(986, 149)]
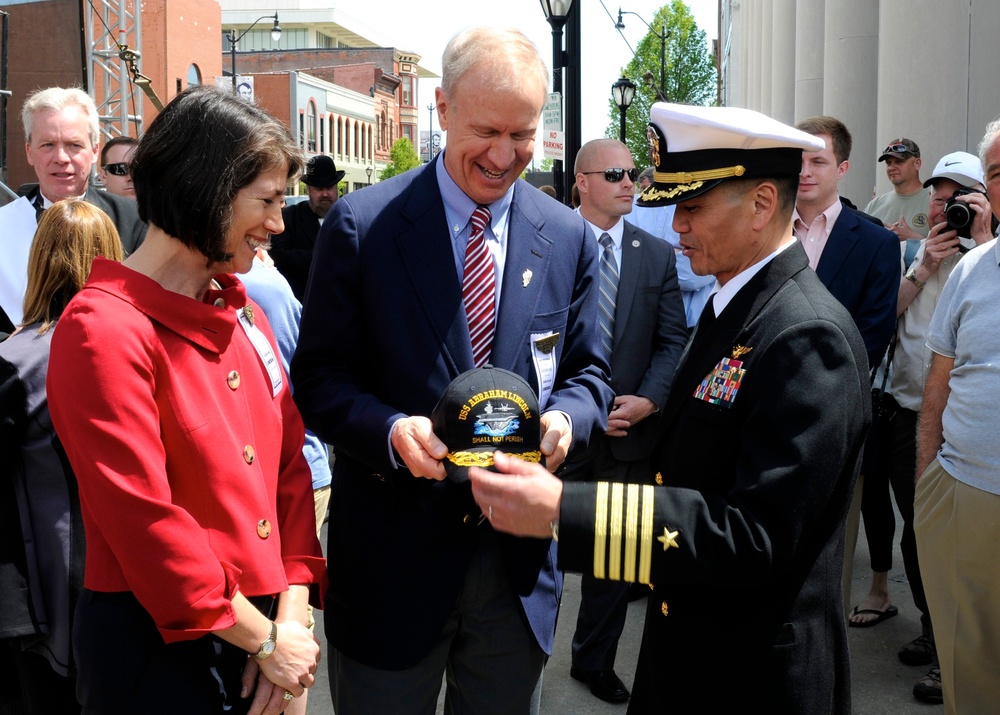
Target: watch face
[(266, 648)]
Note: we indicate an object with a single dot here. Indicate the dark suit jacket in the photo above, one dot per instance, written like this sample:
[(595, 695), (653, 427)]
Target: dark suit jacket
[(748, 608), (292, 250), (123, 213), (383, 333), (860, 265), (650, 332)]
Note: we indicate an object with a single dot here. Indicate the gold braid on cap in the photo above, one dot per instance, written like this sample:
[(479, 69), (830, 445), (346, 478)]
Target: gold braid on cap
[(485, 458), (685, 177)]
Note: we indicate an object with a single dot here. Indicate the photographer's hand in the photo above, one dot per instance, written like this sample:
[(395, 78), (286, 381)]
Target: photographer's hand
[(982, 225)]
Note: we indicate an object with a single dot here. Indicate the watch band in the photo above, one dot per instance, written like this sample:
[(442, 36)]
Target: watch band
[(912, 277), (269, 643)]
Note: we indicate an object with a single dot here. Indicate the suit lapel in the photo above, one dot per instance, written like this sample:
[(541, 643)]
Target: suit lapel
[(843, 236), (628, 278), (424, 244), (529, 253)]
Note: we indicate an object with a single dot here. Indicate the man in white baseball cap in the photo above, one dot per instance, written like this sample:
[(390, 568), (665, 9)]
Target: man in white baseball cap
[(741, 526)]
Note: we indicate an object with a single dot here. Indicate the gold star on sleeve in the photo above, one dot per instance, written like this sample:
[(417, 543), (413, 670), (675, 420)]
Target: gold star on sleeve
[(668, 539)]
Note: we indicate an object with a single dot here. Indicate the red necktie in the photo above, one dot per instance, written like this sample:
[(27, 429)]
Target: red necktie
[(479, 289)]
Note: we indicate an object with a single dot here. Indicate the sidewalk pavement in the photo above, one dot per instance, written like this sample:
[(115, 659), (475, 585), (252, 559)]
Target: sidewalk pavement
[(880, 684)]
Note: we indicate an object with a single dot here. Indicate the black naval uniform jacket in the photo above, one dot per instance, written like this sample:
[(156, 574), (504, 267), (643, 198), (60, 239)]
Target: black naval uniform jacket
[(743, 544)]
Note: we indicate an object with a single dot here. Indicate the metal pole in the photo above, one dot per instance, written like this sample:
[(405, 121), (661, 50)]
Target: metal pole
[(573, 86), (430, 131), (4, 94), (558, 175), (232, 53), (621, 130), (663, 52)]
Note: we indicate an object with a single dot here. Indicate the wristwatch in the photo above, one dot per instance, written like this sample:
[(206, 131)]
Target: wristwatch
[(267, 647), (912, 277)]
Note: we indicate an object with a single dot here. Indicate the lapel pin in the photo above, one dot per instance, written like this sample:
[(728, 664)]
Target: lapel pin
[(546, 344), (248, 312), (526, 278), (635, 243)]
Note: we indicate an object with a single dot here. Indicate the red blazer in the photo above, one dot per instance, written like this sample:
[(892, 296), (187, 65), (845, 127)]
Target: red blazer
[(192, 481)]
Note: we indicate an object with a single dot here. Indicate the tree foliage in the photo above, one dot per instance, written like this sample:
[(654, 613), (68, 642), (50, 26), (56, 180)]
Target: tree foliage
[(690, 76), (403, 157)]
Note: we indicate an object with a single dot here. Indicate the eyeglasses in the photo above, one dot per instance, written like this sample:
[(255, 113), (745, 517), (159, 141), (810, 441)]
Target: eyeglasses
[(118, 169), (616, 175), (897, 148)]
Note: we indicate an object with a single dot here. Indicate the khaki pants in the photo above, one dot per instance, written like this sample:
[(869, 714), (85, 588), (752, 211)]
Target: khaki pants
[(958, 528)]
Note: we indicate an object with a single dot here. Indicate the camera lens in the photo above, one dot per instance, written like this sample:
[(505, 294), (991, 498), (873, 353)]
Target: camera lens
[(958, 215)]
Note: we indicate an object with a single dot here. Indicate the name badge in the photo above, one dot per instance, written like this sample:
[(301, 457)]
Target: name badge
[(543, 355), (263, 348)]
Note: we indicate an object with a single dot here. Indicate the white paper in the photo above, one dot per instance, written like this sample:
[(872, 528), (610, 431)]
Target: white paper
[(17, 231), (545, 365)]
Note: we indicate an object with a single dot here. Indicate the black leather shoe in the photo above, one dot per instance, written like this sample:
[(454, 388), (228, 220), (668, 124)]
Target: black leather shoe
[(604, 684)]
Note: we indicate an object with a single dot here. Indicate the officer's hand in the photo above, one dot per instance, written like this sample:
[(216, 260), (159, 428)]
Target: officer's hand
[(522, 500)]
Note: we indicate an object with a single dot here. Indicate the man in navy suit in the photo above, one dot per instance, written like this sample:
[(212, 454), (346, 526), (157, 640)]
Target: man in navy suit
[(646, 332), (420, 583), (859, 264)]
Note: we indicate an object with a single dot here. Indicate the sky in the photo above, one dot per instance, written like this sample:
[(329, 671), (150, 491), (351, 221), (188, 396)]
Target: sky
[(425, 28)]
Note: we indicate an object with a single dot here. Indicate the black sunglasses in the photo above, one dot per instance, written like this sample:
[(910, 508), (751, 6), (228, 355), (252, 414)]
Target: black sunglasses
[(118, 169), (616, 175)]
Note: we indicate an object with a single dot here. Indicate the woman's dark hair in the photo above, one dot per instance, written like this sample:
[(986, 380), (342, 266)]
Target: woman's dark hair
[(197, 154)]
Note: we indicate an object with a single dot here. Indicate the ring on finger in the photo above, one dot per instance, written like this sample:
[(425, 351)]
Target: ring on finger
[(288, 695)]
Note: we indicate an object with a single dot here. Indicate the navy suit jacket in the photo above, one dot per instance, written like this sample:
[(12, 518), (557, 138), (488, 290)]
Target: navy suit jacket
[(383, 333), (292, 250), (860, 266)]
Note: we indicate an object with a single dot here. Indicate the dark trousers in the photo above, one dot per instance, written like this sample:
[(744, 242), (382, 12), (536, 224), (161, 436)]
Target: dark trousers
[(125, 667), (603, 603), (895, 466), (43, 690)]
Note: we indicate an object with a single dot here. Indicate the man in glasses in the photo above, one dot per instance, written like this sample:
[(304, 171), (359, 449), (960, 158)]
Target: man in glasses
[(762, 435), (115, 174), (904, 209), (642, 330), (61, 141)]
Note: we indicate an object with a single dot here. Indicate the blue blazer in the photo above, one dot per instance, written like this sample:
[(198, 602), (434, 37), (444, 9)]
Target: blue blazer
[(383, 333), (860, 266)]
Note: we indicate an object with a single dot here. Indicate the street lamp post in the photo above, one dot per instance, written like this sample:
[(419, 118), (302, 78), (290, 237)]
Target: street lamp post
[(430, 131), (623, 91), (556, 12), (233, 39), (662, 94), (369, 170)]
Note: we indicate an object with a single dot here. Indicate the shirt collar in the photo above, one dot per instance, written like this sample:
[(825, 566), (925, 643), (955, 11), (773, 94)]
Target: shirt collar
[(616, 232), (458, 207), (831, 215)]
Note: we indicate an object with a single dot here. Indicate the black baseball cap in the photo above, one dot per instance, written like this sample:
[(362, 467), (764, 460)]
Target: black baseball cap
[(485, 410)]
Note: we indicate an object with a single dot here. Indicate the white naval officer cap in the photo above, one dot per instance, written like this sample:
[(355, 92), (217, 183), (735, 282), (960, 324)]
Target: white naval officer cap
[(693, 149)]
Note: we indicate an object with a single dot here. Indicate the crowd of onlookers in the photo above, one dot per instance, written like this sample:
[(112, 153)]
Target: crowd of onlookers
[(149, 404)]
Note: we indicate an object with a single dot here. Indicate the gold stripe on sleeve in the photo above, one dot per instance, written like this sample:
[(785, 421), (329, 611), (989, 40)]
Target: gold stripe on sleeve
[(631, 531), (600, 528), (615, 542), (646, 538)]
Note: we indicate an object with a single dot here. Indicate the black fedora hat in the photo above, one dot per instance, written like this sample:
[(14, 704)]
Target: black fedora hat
[(321, 172)]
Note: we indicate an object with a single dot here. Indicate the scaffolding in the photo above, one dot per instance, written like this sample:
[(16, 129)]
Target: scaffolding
[(114, 80)]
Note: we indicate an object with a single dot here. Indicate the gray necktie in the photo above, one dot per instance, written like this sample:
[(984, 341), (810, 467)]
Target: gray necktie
[(607, 298)]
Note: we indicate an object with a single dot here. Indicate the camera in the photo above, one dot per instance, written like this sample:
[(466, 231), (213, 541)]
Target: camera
[(959, 215)]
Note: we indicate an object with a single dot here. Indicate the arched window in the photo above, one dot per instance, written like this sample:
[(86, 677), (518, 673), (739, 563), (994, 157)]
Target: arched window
[(311, 125), (194, 75), (356, 153)]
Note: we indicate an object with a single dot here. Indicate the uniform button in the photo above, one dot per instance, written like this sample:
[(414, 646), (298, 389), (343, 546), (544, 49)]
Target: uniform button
[(659, 479), (663, 608), (264, 530), (233, 379), (248, 454)]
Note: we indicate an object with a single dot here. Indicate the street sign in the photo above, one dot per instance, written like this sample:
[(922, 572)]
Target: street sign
[(553, 145), (552, 113)]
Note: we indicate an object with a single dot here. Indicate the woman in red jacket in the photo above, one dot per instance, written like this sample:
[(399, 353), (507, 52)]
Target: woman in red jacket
[(177, 418)]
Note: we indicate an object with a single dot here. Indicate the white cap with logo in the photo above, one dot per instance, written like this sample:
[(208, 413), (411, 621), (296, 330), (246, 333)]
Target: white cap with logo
[(959, 166)]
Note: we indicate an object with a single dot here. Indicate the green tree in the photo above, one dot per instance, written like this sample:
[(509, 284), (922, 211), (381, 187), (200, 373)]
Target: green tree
[(403, 157), (690, 76), (546, 164)]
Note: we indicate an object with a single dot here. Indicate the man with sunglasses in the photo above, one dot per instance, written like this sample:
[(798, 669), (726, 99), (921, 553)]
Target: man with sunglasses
[(904, 209), (115, 173), (643, 332)]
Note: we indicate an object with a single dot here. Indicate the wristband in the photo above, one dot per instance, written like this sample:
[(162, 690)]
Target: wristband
[(912, 277)]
